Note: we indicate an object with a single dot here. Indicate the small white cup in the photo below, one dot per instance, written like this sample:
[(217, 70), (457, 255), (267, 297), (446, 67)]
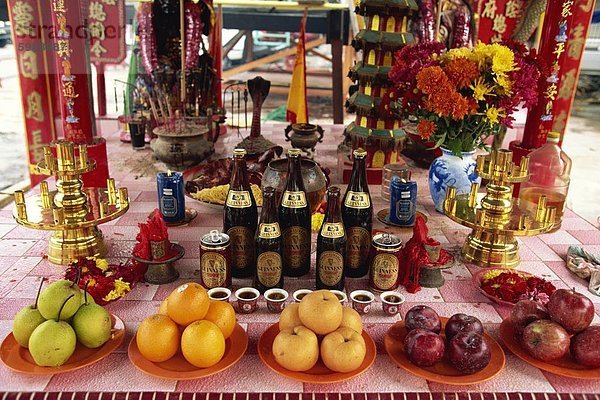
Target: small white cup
[(360, 305), (390, 307), (276, 305), (214, 294), (340, 295), (250, 304), (300, 293)]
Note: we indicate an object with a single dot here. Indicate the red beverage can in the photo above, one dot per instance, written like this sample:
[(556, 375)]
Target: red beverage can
[(215, 260), (384, 262)]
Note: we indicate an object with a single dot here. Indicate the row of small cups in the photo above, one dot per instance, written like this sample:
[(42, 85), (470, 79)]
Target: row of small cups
[(247, 299)]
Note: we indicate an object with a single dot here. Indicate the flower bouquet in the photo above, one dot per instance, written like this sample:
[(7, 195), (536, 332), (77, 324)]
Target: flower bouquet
[(462, 96)]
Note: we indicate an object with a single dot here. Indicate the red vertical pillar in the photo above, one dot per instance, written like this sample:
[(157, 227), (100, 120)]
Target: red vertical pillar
[(72, 63), (552, 49)]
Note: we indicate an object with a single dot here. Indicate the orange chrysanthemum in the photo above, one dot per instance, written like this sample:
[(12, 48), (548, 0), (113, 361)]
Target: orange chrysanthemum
[(442, 100), (430, 79), (462, 72), (461, 107), (426, 128)]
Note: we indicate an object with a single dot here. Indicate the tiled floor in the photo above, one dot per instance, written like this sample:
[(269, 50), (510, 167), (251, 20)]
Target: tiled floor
[(21, 263)]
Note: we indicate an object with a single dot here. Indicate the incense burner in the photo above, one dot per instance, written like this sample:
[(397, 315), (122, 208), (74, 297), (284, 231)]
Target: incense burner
[(181, 144)]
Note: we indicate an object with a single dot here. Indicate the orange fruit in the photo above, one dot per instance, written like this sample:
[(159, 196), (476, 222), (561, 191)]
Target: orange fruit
[(158, 338), (163, 307), (203, 344), (188, 303), (222, 314)]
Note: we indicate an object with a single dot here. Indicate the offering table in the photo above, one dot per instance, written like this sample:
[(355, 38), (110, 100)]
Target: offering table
[(23, 262)]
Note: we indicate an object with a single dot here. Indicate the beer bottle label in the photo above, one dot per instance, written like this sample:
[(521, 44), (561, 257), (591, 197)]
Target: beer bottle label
[(293, 199), (359, 242), (330, 267), (242, 247), (238, 199), (269, 231), (296, 246), (269, 268), (332, 230), (385, 271), (213, 267), (357, 200)]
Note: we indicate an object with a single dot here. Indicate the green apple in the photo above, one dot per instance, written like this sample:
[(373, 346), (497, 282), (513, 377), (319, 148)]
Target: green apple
[(53, 297), (53, 342), (26, 320)]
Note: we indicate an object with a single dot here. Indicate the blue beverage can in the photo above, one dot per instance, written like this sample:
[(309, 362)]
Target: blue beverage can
[(171, 200), (403, 201)]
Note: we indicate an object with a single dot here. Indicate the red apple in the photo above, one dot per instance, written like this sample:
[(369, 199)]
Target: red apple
[(462, 323), (572, 310), (585, 347), (422, 317), (524, 313), (468, 352), (545, 340), (424, 348)]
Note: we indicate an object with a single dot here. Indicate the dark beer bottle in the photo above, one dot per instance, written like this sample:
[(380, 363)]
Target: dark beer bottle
[(357, 213), (331, 245), (294, 219), (269, 268), (239, 219)]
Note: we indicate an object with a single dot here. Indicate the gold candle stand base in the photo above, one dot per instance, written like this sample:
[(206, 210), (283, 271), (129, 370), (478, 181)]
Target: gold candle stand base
[(67, 246), (494, 217)]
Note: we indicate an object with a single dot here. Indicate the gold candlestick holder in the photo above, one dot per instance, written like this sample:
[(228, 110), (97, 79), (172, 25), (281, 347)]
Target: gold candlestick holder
[(71, 211), (494, 216)]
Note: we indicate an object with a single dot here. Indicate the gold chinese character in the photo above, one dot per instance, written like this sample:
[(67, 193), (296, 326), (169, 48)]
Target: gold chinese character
[(566, 10), (28, 64), (497, 38), (22, 13), (69, 90), (513, 9), (499, 24), (66, 64), (490, 9), (586, 5), (36, 147), (97, 11), (97, 30), (110, 2), (567, 85), (576, 42), (34, 107), (559, 49), (551, 92), (97, 49), (560, 122), (59, 6), (63, 50)]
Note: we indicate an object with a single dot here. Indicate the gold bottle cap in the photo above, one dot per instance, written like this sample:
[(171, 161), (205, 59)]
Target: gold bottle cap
[(360, 152), (239, 152), (293, 152), (554, 135)]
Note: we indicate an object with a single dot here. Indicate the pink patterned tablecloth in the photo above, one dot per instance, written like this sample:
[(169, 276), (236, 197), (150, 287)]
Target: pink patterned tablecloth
[(22, 263)]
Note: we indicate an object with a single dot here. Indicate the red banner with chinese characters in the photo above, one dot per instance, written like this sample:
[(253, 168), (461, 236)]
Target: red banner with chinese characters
[(33, 54), (106, 22), (498, 19), (569, 71)]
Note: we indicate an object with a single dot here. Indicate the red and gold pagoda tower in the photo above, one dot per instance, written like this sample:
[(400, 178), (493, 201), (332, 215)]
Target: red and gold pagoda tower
[(385, 32)]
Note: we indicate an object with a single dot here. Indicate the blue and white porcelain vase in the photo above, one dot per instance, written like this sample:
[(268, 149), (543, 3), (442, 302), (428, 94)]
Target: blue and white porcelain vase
[(451, 170)]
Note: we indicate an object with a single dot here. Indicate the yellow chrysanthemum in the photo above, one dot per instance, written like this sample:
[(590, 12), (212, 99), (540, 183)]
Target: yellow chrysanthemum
[(503, 60), (480, 90), (317, 221), (461, 52), (493, 114), (102, 264), (120, 290)]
